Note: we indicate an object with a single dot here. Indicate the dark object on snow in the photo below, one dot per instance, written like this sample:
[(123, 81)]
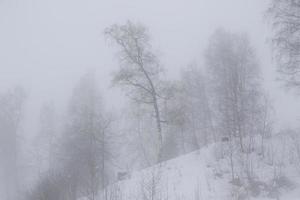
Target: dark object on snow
[(225, 139), (123, 175)]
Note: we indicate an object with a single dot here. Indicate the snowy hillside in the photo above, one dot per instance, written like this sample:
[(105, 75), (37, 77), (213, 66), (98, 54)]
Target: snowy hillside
[(204, 175)]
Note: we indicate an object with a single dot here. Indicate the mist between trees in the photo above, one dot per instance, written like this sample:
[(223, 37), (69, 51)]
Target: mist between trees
[(221, 101)]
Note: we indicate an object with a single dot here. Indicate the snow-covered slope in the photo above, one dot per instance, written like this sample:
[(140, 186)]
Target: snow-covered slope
[(186, 177), (201, 175)]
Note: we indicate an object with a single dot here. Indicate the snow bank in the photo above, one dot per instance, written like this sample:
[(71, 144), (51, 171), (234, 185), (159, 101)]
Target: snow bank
[(202, 175)]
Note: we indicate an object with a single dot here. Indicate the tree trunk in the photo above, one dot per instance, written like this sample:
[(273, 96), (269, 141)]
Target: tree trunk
[(159, 129)]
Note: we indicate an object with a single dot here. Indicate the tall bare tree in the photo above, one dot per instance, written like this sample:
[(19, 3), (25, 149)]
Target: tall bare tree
[(86, 147), (140, 70), (285, 18), (235, 80), (44, 144), (200, 117), (11, 107)]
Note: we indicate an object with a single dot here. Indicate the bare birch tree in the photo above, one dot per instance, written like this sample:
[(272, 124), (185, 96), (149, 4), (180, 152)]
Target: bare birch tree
[(236, 89), (11, 107), (140, 70), (235, 80), (285, 20), (86, 147), (44, 142), (196, 97)]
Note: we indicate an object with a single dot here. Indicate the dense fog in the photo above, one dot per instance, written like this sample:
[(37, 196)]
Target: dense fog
[(112, 99)]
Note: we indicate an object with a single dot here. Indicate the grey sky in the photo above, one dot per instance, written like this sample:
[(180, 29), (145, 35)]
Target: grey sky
[(46, 45)]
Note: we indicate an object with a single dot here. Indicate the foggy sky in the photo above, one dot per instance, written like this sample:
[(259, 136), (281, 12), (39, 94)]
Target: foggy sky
[(46, 45)]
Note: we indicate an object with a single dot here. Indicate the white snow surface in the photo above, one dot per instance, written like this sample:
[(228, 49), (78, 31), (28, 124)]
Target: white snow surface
[(200, 176)]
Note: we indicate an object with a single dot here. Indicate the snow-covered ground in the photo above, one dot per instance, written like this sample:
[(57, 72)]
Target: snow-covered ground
[(205, 175)]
